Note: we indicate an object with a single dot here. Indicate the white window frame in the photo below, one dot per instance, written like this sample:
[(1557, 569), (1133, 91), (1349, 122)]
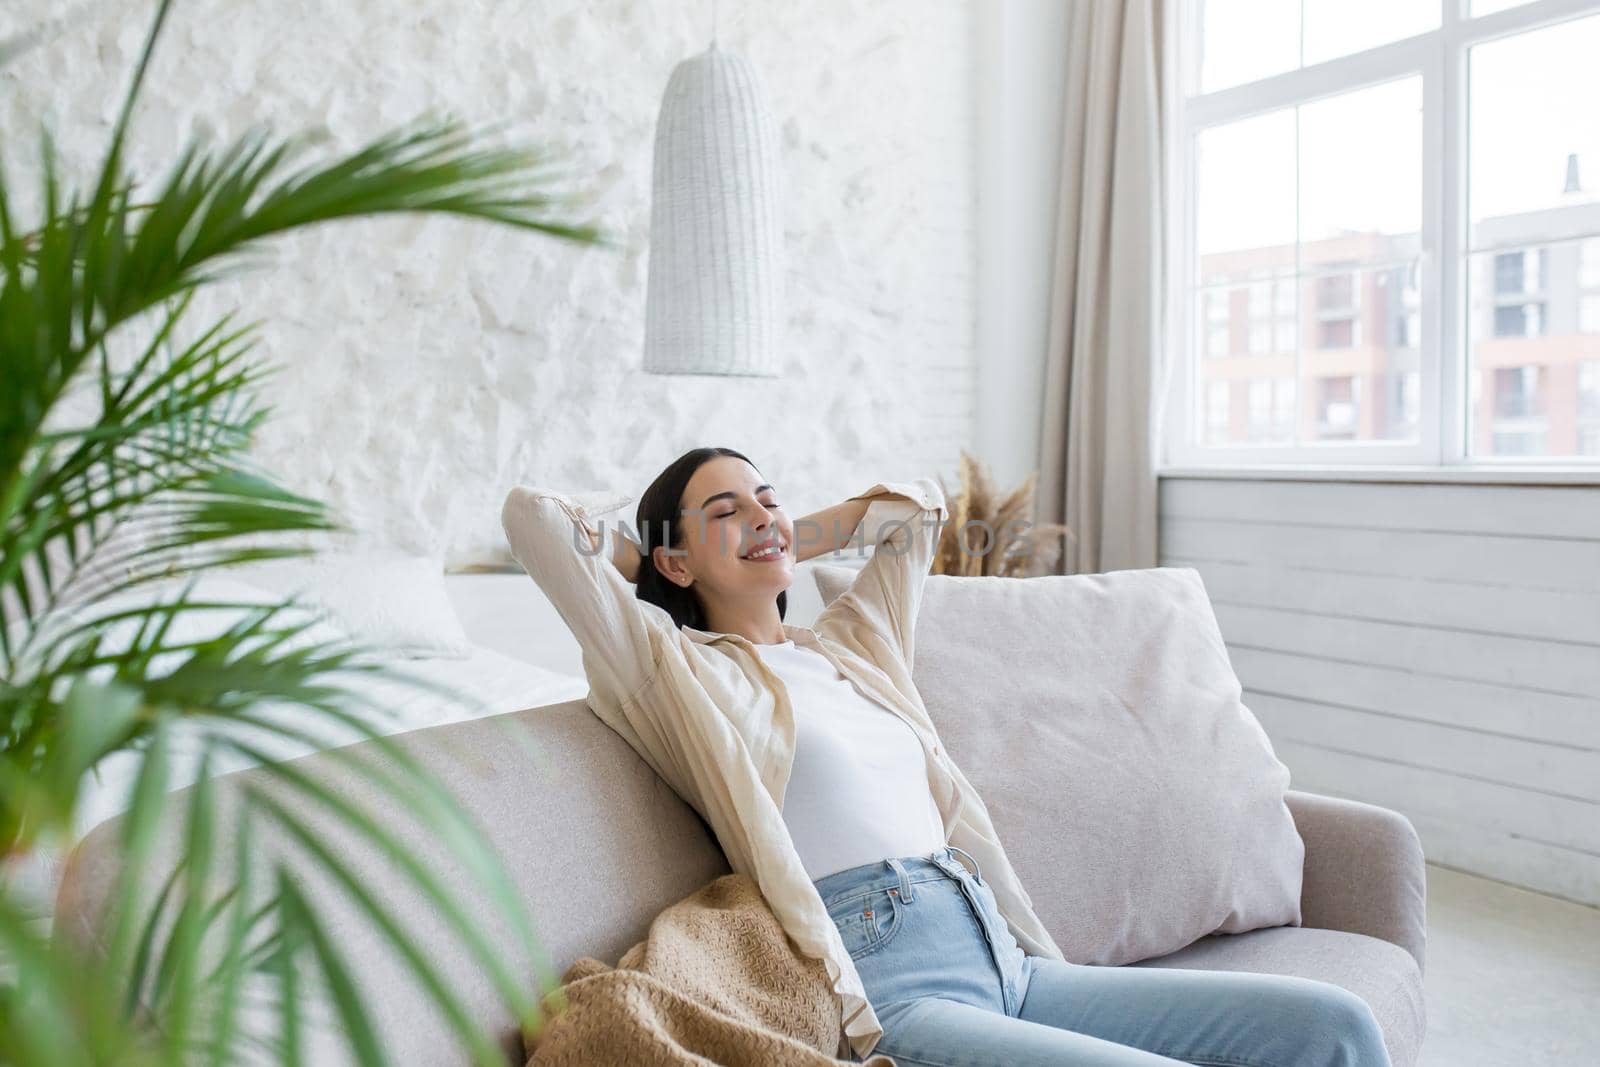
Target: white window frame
[(1440, 453)]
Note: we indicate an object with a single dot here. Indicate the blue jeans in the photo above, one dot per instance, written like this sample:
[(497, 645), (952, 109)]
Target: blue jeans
[(952, 988)]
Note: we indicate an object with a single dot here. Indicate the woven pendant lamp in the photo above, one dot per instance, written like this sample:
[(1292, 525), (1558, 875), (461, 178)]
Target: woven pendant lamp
[(716, 231)]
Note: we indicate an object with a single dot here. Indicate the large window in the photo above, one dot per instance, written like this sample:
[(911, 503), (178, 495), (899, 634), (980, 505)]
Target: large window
[(1390, 233)]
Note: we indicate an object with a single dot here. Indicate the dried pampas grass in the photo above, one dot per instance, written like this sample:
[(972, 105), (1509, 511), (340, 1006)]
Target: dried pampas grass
[(991, 535)]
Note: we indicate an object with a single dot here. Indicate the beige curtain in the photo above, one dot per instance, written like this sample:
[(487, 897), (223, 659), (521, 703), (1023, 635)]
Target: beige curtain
[(1105, 367)]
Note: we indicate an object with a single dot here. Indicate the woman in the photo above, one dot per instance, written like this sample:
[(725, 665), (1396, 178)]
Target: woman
[(810, 755)]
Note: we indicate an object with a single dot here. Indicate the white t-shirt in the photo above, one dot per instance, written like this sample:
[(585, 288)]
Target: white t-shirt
[(858, 791)]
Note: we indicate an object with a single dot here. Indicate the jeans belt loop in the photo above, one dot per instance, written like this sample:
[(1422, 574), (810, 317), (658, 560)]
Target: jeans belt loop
[(905, 880), (977, 872)]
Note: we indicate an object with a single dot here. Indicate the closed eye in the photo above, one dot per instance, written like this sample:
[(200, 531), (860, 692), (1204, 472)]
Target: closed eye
[(731, 514)]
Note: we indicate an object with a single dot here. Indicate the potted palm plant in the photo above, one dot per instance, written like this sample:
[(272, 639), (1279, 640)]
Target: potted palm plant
[(154, 483)]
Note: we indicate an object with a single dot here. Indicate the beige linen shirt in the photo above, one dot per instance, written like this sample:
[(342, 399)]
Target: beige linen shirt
[(716, 724)]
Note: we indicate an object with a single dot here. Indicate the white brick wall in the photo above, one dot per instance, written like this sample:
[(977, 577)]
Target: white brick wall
[(428, 365)]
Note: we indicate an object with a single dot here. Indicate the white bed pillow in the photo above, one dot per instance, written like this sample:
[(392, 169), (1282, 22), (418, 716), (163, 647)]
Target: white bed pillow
[(1100, 721), (381, 597)]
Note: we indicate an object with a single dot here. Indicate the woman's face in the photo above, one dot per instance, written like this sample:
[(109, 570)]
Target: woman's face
[(737, 541)]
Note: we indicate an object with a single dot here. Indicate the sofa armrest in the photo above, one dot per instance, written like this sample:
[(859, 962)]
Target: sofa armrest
[(1364, 870)]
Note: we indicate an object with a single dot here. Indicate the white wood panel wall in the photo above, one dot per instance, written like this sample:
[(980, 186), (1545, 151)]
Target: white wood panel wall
[(1434, 648)]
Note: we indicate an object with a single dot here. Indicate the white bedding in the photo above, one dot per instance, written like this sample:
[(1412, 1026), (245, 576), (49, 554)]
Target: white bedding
[(486, 682)]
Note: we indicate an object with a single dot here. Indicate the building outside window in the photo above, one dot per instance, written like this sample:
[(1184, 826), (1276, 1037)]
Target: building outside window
[(1217, 413), (1316, 180), (1589, 285), (1338, 321), (1516, 392), (1406, 397), (1218, 324), (1589, 389), (1338, 406), (1519, 289), (1589, 408)]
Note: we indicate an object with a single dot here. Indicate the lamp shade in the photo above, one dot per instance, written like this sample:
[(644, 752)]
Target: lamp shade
[(716, 231)]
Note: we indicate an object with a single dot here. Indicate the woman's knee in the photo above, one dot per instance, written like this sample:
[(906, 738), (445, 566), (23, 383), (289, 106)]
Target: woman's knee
[(1342, 1026)]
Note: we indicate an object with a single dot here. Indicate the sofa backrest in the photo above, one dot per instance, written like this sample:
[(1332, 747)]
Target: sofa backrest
[(597, 843)]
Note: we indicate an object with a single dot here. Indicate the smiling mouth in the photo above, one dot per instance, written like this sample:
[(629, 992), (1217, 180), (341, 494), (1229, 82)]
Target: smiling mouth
[(769, 551)]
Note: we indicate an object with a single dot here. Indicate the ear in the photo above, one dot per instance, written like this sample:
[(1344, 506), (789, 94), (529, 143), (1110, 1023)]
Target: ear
[(672, 565)]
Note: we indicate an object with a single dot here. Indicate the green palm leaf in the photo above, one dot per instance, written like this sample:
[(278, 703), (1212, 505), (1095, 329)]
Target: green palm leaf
[(126, 430)]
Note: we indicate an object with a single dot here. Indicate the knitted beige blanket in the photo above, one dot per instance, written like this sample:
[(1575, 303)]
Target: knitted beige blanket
[(716, 981)]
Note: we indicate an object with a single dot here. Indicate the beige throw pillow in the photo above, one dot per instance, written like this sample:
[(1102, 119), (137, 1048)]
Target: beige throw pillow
[(1099, 718)]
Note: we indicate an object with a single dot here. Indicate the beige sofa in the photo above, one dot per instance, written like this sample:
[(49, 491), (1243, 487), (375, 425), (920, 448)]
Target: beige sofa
[(599, 845)]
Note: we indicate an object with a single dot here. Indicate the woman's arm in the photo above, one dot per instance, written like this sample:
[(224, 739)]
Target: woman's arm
[(827, 530), (624, 554), (902, 520), (559, 545)]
